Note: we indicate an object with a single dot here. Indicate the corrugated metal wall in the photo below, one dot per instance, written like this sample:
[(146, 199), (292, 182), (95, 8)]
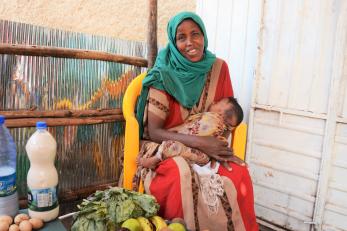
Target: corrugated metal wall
[(335, 209), (297, 139), (87, 155)]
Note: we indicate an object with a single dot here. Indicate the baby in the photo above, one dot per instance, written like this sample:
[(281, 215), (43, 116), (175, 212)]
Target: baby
[(222, 117)]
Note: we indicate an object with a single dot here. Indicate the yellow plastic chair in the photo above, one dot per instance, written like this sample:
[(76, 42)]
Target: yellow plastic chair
[(239, 140), (132, 140)]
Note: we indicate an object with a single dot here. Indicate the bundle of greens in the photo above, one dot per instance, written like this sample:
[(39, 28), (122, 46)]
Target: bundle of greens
[(106, 210)]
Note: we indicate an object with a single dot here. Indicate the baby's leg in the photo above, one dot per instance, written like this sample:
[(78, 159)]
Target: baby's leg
[(147, 157), (238, 161), (150, 162), (235, 160), (170, 148), (174, 148), (223, 163), (226, 165), (198, 157)]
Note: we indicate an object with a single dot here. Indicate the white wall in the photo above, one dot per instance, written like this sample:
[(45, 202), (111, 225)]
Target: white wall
[(122, 19), (232, 28)]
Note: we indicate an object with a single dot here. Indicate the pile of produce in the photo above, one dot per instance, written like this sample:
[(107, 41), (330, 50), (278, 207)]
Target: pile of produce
[(20, 222), (154, 223), (109, 209)]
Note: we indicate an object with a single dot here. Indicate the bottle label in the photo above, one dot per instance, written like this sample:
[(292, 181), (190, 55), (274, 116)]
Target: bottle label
[(7, 185), (41, 200)]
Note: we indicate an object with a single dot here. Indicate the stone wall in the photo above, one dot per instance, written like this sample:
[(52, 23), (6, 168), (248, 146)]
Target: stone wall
[(124, 19)]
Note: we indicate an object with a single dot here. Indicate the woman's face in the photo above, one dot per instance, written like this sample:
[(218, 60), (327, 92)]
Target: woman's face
[(190, 40)]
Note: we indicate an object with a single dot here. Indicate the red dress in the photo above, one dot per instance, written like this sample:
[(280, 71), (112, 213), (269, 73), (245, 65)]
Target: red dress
[(176, 186)]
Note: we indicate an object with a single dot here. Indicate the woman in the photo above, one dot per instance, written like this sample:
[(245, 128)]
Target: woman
[(186, 79)]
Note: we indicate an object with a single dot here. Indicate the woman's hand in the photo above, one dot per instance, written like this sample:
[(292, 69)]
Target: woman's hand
[(214, 148)]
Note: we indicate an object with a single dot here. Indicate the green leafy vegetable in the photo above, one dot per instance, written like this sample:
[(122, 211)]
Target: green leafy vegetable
[(106, 210)]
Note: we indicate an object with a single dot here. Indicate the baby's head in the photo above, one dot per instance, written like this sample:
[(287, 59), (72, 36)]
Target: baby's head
[(230, 109)]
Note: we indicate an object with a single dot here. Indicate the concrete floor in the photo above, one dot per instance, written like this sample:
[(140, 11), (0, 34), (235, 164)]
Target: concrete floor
[(263, 228)]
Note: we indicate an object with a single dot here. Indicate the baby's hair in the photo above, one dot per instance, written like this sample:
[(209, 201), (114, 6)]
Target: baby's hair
[(236, 109)]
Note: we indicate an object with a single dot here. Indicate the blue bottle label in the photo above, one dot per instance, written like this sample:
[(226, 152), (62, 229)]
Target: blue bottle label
[(7, 185), (41, 200)]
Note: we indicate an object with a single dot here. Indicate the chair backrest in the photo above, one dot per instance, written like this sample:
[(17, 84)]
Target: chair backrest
[(239, 141), (132, 139)]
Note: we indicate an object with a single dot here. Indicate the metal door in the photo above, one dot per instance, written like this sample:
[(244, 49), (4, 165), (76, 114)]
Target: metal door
[(297, 144)]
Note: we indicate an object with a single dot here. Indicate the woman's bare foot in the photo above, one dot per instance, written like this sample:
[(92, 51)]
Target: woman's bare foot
[(150, 162)]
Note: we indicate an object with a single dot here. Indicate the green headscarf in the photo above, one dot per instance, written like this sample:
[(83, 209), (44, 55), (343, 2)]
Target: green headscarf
[(172, 72)]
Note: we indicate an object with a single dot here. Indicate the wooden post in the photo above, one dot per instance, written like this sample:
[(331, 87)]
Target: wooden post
[(152, 33), (27, 118), (15, 114), (53, 122)]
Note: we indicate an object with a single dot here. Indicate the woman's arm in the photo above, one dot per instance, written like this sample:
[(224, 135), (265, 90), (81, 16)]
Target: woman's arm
[(212, 146)]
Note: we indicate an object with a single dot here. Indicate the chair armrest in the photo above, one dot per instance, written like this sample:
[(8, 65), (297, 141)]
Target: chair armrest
[(131, 149), (132, 139)]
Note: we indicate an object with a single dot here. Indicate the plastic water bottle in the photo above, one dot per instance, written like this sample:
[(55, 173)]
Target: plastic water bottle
[(42, 178), (8, 189)]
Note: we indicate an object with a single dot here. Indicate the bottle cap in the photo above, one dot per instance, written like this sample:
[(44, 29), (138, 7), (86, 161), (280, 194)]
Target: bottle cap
[(2, 119), (41, 124)]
